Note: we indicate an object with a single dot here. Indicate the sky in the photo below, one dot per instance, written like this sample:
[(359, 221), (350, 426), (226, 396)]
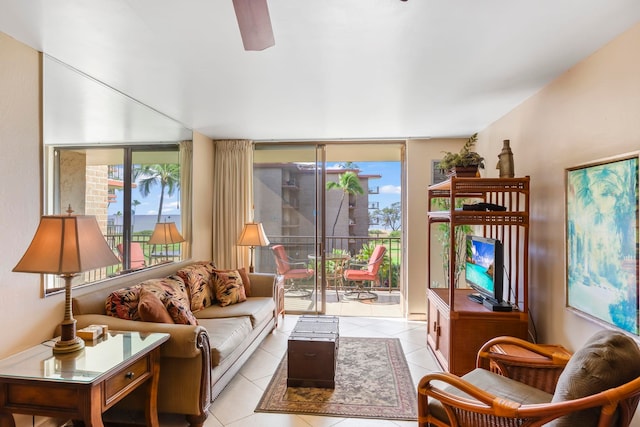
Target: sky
[(389, 185)]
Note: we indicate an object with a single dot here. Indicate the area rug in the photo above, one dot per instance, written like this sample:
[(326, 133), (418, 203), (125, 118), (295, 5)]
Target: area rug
[(372, 381)]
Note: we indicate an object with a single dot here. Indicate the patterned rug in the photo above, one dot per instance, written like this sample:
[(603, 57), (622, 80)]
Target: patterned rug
[(372, 381)]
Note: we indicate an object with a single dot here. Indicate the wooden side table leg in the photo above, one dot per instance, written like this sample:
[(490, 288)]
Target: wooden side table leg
[(151, 406), (6, 420), (93, 411)]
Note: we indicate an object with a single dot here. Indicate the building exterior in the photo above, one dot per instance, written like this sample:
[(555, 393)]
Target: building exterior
[(285, 203)]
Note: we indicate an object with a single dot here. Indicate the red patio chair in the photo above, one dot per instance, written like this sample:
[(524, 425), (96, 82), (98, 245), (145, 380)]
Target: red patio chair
[(365, 273)]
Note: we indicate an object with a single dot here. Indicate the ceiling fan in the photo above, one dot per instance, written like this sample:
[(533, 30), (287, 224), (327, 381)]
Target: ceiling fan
[(254, 23)]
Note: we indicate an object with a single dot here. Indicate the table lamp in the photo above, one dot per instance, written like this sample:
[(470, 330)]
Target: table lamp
[(67, 245), (165, 233), (252, 236)]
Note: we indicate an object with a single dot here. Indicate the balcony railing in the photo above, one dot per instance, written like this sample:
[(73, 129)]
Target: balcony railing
[(300, 247)]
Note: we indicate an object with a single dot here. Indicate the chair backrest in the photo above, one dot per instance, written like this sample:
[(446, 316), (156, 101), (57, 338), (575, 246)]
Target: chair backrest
[(375, 261), (280, 254), (136, 255)]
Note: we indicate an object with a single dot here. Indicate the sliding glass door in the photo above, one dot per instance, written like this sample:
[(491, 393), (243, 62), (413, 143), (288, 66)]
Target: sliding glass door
[(326, 208), (290, 207)]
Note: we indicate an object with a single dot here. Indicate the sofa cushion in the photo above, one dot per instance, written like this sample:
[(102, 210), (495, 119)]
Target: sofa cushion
[(197, 278), (225, 335), (152, 309), (245, 281), (123, 303), (496, 385), (229, 287), (608, 359), (258, 309)]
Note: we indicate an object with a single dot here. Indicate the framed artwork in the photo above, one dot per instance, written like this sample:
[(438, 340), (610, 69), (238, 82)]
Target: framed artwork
[(602, 241)]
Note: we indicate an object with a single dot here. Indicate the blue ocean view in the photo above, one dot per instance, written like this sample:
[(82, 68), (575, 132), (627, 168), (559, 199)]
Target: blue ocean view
[(146, 222)]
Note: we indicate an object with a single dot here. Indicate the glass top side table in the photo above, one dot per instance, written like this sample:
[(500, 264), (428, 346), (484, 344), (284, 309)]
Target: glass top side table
[(83, 384)]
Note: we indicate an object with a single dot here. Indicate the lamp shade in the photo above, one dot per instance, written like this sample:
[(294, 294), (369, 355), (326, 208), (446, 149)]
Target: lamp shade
[(165, 233), (66, 244), (253, 235)]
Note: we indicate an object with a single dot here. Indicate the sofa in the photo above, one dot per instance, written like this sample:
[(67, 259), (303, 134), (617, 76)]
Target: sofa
[(213, 330)]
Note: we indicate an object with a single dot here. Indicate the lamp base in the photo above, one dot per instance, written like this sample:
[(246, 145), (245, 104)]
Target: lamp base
[(69, 341), (68, 346)]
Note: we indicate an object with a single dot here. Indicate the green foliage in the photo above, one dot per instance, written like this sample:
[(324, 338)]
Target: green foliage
[(444, 237), (395, 234), (390, 216), (465, 157)]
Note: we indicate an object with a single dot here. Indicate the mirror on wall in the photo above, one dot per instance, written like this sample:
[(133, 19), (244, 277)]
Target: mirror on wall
[(113, 157), (79, 110)]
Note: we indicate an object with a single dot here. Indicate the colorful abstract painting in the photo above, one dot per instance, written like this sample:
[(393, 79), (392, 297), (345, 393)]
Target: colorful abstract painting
[(602, 241)]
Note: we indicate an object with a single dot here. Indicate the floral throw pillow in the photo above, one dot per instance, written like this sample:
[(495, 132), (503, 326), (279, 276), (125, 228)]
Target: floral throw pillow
[(229, 287), (123, 303), (173, 293), (180, 312), (197, 277)]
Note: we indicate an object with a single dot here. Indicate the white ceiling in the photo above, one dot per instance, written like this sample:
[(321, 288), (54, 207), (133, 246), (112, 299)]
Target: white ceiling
[(353, 69)]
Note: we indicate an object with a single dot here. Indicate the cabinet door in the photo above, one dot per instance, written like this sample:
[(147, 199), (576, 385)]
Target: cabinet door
[(432, 325), (444, 330), (438, 331)]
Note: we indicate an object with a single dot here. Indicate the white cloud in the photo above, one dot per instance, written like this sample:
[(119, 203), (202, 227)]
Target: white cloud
[(390, 189)]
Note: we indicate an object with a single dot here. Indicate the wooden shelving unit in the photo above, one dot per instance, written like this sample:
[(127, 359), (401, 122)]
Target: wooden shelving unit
[(457, 327)]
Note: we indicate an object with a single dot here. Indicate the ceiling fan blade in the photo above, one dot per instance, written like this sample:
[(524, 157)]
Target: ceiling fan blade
[(255, 24)]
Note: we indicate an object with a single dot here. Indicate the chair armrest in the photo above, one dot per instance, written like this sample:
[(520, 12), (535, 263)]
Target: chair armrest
[(262, 284), (427, 387), (487, 409), (184, 342), (531, 364), (356, 266)]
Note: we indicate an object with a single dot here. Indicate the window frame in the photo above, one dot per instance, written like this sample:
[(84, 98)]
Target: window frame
[(51, 284)]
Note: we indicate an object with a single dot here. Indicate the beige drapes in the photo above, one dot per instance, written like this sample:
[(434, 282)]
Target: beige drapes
[(186, 190), (232, 200)]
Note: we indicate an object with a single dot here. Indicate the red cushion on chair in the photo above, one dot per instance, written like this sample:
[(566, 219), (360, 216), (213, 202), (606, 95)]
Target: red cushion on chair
[(359, 275), (298, 273)]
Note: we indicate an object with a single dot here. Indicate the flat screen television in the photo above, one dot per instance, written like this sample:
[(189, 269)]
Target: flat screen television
[(484, 267)]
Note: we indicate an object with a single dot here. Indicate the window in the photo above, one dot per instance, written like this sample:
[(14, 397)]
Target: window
[(129, 189)]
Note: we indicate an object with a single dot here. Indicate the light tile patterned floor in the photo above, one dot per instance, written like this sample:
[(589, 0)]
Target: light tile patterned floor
[(234, 407)]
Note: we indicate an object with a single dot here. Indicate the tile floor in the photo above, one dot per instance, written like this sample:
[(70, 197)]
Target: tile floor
[(234, 407)]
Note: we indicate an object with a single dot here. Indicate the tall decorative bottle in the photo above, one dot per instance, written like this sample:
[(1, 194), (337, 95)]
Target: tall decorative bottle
[(505, 161)]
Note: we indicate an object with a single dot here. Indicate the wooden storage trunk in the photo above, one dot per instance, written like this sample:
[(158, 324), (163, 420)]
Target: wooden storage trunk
[(312, 352)]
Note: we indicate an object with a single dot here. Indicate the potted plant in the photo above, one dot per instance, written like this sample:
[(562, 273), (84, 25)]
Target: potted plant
[(463, 163)]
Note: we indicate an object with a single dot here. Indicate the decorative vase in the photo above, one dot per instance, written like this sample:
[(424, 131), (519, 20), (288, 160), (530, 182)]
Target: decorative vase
[(505, 161)]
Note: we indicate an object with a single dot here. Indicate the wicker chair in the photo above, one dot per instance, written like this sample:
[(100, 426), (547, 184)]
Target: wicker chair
[(521, 390)]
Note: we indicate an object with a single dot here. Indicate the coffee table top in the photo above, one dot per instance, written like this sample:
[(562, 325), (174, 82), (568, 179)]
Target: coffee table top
[(83, 366), (312, 328)]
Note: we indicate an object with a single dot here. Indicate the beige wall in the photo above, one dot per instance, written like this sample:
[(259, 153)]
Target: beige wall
[(27, 318), (590, 112), (419, 155)]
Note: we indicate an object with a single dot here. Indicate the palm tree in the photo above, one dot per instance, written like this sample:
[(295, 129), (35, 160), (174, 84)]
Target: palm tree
[(348, 183), (167, 175)]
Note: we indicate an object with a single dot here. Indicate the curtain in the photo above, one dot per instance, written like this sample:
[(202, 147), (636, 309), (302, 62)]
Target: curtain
[(186, 189), (232, 200)]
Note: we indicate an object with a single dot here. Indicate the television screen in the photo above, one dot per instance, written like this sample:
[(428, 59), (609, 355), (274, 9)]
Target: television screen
[(483, 270)]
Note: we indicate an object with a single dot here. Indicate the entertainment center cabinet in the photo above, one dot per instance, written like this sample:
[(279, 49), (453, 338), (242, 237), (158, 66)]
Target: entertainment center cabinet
[(458, 326)]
